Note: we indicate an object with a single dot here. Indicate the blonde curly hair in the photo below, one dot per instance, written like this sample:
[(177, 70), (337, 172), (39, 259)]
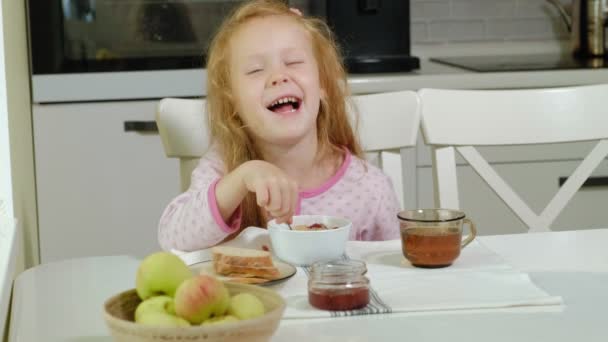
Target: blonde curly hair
[(334, 129)]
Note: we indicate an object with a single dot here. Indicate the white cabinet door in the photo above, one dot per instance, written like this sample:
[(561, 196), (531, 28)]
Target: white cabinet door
[(536, 183), (101, 189)]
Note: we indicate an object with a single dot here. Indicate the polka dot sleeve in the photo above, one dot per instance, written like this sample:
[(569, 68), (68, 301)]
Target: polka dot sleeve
[(192, 220)]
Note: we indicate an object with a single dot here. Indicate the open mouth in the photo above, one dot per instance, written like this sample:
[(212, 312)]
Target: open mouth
[(285, 104)]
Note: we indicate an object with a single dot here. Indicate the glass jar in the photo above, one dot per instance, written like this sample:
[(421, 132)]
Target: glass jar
[(338, 285)]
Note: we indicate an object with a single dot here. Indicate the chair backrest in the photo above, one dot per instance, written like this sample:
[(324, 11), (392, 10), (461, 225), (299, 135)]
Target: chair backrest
[(461, 119), (182, 126), (9, 252), (387, 121)]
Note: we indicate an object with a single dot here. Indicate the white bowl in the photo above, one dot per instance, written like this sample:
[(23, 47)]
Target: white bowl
[(303, 248)]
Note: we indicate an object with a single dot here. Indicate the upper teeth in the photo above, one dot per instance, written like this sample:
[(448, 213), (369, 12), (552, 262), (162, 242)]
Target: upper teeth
[(283, 100)]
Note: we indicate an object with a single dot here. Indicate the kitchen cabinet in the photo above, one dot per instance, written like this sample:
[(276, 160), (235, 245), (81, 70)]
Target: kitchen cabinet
[(101, 189), (535, 178)]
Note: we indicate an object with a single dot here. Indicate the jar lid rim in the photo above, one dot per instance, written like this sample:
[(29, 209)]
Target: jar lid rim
[(339, 267)]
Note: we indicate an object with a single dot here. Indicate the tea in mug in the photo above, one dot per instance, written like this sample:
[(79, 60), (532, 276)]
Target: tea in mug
[(433, 237), (431, 246)]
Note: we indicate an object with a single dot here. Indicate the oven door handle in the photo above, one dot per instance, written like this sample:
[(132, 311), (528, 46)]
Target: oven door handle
[(141, 126)]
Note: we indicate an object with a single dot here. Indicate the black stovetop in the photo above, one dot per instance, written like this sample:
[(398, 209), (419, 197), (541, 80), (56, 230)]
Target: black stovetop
[(522, 62)]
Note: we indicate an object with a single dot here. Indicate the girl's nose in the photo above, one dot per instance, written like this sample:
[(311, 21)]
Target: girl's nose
[(278, 80)]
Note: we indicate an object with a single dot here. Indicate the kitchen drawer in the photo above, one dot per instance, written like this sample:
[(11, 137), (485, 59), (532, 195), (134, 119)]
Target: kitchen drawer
[(536, 183), (101, 189)]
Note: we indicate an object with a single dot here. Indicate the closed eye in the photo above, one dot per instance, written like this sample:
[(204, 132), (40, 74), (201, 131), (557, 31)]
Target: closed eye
[(295, 62), (253, 71)]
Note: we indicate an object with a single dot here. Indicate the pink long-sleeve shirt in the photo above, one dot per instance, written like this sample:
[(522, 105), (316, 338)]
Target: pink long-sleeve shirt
[(358, 191)]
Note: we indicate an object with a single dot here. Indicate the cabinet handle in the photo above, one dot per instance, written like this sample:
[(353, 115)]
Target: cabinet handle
[(141, 126), (590, 182)]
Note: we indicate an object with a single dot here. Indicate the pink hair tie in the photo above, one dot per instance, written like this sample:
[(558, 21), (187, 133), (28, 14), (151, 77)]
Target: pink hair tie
[(296, 11)]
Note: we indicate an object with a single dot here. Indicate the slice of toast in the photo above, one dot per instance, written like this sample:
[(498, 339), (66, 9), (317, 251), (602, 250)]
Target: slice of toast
[(246, 271), (243, 263), (242, 280), (242, 257)]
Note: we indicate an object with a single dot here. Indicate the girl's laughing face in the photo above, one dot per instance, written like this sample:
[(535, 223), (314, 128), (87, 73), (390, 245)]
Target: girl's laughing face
[(275, 80)]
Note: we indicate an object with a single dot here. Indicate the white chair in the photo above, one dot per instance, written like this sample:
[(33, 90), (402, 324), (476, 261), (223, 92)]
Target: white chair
[(459, 120), (388, 121), (182, 126)]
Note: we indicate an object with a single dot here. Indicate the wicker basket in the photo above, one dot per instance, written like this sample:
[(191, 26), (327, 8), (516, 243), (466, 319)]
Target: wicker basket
[(120, 309)]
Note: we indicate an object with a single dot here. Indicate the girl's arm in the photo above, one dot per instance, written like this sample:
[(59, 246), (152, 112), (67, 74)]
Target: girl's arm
[(193, 219), (274, 190), (209, 211)]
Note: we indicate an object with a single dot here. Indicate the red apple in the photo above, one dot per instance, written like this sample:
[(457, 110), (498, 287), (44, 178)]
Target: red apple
[(201, 297)]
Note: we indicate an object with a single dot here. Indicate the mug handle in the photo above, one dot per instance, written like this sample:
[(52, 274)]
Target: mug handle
[(472, 233)]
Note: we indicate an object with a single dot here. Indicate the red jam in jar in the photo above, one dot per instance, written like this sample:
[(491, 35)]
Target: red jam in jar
[(347, 299), (338, 285)]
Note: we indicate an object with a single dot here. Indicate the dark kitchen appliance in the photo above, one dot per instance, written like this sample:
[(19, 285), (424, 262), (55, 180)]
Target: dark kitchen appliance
[(374, 34), (85, 36), (85, 50), (88, 50)]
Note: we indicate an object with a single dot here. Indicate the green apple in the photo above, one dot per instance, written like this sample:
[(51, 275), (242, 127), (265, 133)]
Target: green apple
[(220, 320), (201, 297), (160, 274), (159, 311), (155, 304), (162, 319), (245, 306)]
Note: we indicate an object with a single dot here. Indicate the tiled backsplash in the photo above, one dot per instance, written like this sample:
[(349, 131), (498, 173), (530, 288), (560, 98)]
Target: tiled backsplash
[(445, 21)]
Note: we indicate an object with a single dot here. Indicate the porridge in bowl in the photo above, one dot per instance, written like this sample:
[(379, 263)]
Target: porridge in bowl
[(314, 226)]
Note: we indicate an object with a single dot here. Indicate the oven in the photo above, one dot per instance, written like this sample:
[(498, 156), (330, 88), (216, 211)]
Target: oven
[(101, 50), (85, 50)]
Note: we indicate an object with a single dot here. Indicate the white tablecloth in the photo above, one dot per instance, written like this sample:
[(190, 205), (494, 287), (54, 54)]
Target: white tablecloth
[(62, 301), (479, 279)]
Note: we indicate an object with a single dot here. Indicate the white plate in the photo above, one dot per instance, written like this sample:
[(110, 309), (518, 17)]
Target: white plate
[(286, 271)]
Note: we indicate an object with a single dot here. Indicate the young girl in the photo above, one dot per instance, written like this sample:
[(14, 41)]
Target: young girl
[(282, 144)]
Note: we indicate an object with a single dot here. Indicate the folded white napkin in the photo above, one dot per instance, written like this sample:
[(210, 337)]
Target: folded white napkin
[(478, 279)]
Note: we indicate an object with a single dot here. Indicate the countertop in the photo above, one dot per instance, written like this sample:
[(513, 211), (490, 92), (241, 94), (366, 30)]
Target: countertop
[(436, 75), (191, 82)]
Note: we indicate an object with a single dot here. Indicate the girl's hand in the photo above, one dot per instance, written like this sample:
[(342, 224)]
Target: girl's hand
[(274, 190)]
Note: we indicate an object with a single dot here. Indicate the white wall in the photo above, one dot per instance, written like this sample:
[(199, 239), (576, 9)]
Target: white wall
[(6, 193), (452, 21), (17, 176)]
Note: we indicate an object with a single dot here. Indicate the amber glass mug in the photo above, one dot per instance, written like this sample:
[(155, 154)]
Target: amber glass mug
[(432, 238)]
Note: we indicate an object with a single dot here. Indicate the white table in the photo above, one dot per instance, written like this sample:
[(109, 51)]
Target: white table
[(63, 301)]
